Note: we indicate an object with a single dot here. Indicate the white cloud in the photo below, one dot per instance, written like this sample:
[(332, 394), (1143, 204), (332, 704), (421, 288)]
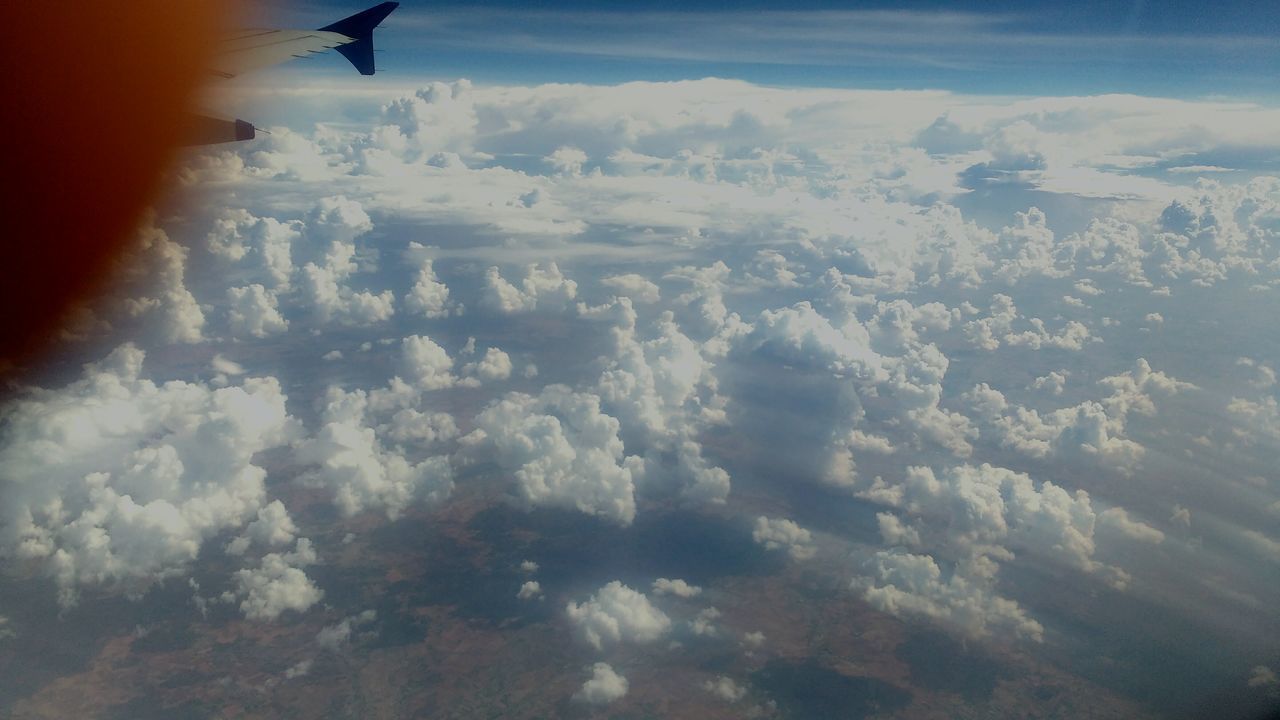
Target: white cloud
[(278, 584), (1119, 521), (530, 590), (788, 283), (906, 584), (703, 623), (636, 287), (273, 527), (1093, 429), (563, 451), (617, 614), (677, 587), (334, 636), (725, 688), (254, 312), (656, 389), (159, 266), (364, 474), (783, 534), (543, 287), (115, 479), (428, 296), (603, 687), (424, 364), (495, 365)]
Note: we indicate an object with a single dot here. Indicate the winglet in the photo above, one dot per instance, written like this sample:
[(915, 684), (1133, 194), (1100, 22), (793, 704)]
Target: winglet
[(359, 28)]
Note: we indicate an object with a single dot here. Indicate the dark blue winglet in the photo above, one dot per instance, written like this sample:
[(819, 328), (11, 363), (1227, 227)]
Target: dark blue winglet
[(360, 27)]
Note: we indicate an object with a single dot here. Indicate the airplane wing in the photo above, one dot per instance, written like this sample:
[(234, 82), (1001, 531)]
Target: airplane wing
[(250, 50), (255, 49)]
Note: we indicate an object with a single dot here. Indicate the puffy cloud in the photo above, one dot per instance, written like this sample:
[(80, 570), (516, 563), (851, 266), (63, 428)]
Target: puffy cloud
[(563, 451), (495, 365), (703, 624), (543, 286), (603, 687), (278, 584), (334, 636), (1001, 326), (617, 614), (656, 388), (530, 590), (907, 584), (1092, 429), (157, 268), (350, 459), (1053, 383), (424, 364), (677, 587), (254, 312), (115, 479), (333, 301), (636, 287), (976, 516), (1119, 521), (783, 534), (788, 281), (273, 527), (567, 160), (262, 243), (429, 297), (725, 688)]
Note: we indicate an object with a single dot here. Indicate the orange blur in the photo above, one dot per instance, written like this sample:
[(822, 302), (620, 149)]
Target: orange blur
[(95, 94)]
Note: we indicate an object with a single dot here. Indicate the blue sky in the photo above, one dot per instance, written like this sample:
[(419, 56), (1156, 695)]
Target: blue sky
[(1176, 49)]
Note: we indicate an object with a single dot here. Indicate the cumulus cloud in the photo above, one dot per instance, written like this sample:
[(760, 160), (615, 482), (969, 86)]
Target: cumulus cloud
[(278, 584), (656, 387), (703, 624), (783, 534), (603, 687), (1092, 429), (617, 614), (562, 450), (725, 688), (254, 312), (637, 288), (116, 479), (334, 636), (494, 366), (907, 584), (543, 287), (677, 587), (158, 268), (351, 459), (429, 297), (530, 590), (794, 285), (424, 364), (273, 527)]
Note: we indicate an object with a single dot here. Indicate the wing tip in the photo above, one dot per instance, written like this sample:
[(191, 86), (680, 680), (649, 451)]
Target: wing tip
[(359, 28)]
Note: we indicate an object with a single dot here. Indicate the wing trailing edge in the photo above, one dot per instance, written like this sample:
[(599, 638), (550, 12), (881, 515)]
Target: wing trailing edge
[(359, 28)]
